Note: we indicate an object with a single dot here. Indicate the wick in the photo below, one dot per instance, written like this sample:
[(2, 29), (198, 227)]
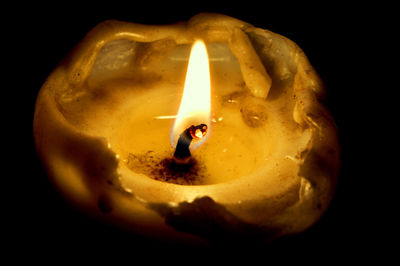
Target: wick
[(182, 152)]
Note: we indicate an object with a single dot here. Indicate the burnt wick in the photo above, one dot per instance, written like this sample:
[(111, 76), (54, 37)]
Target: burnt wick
[(182, 151), (181, 169)]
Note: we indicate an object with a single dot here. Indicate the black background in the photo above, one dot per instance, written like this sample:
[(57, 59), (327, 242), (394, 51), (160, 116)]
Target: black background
[(331, 35)]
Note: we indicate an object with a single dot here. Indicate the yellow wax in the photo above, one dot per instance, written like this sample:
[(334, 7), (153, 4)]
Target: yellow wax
[(142, 117)]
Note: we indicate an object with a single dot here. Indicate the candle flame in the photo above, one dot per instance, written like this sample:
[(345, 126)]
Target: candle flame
[(195, 107)]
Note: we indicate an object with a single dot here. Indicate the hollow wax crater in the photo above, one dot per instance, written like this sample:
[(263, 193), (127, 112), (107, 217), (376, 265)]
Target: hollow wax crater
[(268, 168)]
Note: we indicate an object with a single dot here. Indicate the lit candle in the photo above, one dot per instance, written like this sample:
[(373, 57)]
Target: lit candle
[(246, 149)]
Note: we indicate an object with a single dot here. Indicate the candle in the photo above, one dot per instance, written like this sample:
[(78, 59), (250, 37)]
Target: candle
[(258, 155)]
